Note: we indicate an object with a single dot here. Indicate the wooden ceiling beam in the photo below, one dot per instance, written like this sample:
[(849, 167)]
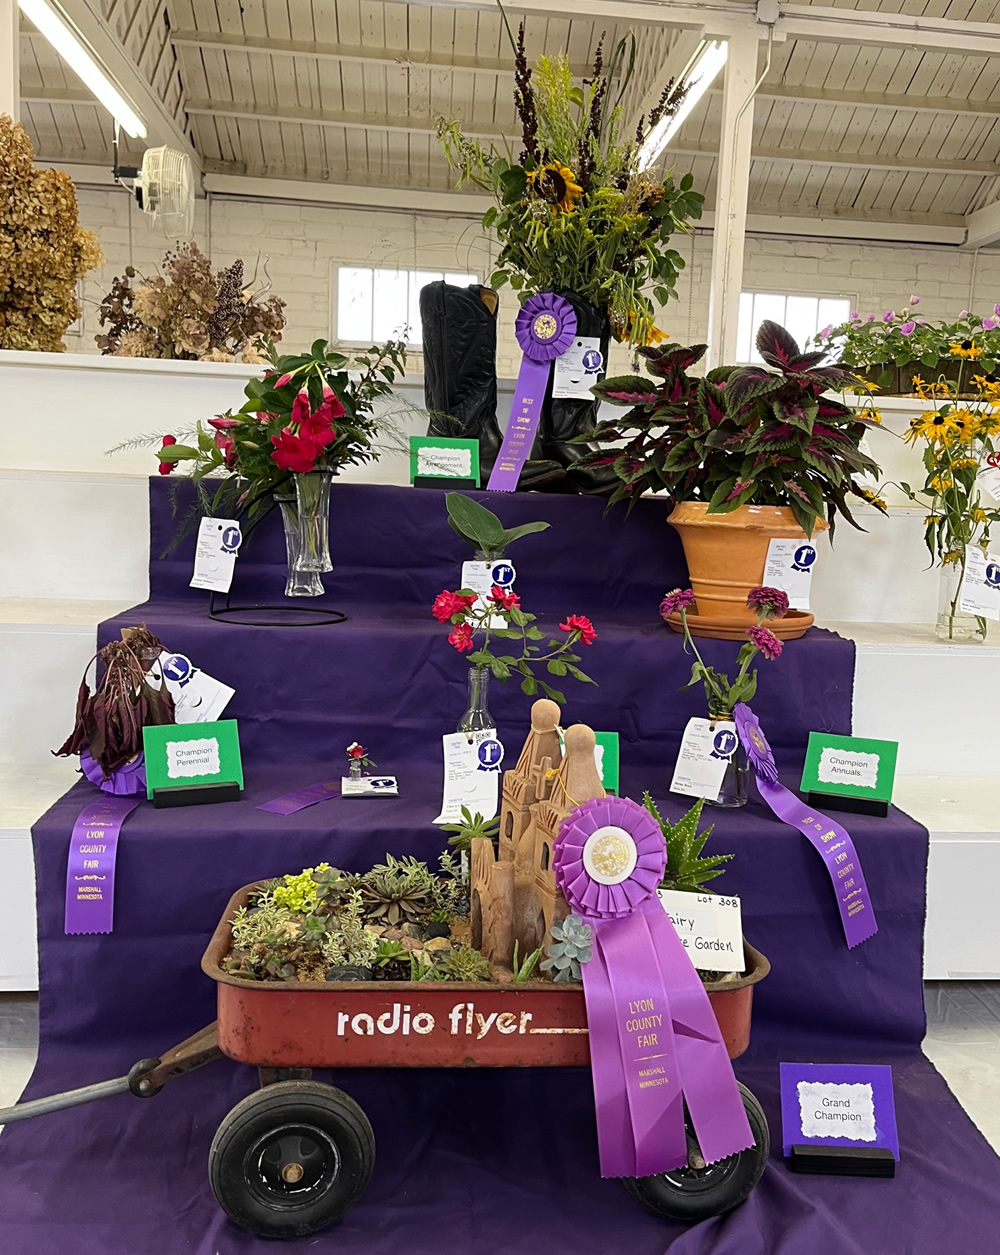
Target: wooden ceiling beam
[(896, 101), (856, 161)]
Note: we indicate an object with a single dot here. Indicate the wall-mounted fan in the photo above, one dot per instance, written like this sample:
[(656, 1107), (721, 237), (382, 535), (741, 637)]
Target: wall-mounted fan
[(164, 190)]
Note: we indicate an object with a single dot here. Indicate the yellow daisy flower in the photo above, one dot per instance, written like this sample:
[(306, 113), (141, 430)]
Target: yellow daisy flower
[(940, 483), (977, 515), (931, 426), (964, 464), (966, 349), (872, 499), (865, 385)]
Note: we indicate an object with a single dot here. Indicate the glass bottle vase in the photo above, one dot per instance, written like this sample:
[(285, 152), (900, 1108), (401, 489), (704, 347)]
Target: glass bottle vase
[(478, 718), (299, 583), (954, 625), (312, 499), (354, 769), (735, 788)]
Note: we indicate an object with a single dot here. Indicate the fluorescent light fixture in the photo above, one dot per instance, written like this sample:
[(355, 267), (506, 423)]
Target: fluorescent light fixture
[(705, 67), (60, 34)]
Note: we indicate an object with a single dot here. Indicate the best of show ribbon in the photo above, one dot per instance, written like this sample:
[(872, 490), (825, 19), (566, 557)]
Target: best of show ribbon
[(545, 328), (289, 803), (90, 873), (830, 839), (655, 1043)]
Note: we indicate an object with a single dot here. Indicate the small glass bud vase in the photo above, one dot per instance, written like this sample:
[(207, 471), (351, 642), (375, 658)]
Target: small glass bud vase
[(299, 583), (478, 718), (735, 788), (954, 625), (312, 498), (354, 770)]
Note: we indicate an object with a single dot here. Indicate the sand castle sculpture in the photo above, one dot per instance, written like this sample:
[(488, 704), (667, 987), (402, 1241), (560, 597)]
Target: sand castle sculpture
[(513, 894)]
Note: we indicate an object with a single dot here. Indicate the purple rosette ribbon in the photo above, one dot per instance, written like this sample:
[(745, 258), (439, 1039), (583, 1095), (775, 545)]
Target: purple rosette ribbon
[(125, 782), (655, 1043), (545, 328), (831, 840)]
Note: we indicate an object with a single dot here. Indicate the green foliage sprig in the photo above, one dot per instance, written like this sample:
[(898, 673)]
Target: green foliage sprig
[(481, 528)]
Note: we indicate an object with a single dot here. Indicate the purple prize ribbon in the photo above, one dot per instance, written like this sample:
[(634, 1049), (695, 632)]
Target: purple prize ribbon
[(289, 803), (90, 873), (124, 782), (545, 328), (654, 1040), (830, 839)]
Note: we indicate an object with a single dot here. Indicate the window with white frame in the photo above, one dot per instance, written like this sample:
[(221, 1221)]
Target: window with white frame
[(801, 315), (380, 303)]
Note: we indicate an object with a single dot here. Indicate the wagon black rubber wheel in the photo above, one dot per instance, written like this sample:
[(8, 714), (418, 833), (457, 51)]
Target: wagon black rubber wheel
[(291, 1159), (690, 1194)]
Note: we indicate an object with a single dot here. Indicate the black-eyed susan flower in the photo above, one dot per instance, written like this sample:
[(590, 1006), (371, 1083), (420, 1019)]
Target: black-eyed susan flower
[(556, 184), (967, 348)]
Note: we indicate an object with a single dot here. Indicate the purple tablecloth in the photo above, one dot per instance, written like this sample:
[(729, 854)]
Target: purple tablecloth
[(494, 1161)]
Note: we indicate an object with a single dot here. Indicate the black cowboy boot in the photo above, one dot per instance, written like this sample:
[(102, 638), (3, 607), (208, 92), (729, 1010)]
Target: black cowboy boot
[(564, 419), (460, 376)]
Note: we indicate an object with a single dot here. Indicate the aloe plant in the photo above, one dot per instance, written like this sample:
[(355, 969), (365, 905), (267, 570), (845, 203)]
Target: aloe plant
[(686, 869)]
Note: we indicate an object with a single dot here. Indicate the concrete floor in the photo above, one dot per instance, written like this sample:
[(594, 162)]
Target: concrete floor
[(963, 1041)]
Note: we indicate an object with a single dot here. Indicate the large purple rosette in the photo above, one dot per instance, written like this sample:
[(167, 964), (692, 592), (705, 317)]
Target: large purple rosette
[(655, 1043), (832, 841), (125, 782), (545, 328)]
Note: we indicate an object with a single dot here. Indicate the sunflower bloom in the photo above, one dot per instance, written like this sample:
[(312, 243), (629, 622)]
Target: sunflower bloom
[(967, 348), (556, 184)]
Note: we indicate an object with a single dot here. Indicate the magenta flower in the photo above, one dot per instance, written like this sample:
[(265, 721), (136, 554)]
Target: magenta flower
[(855, 316), (772, 600), (677, 599), (285, 379), (766, 642), (869, 318), (825, 332), (963, 313), (996, 309), (301, 409), (908, 328), (915, 300), (889, 315), (989, 324)]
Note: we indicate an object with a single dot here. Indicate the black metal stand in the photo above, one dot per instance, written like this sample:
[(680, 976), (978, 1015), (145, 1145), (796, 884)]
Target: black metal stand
[(841, 802)]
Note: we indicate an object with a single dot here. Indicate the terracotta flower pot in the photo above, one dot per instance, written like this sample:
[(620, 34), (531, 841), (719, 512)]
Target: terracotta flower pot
[(726, 553)]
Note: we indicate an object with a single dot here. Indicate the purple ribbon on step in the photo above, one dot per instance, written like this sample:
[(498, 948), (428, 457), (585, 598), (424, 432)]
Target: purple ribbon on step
[(655, 1043), (831, 840), (545, 328), (289, 803), (90, 873)]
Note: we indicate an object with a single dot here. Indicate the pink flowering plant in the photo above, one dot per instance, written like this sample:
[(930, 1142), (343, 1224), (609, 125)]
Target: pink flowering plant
[(314, 411), (470, 615), (721, 694)]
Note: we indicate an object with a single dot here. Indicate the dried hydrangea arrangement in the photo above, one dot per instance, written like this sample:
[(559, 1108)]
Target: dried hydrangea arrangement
[(189, 312), (43, 250)]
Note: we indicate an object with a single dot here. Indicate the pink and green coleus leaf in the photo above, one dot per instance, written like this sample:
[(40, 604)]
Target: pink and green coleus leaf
[(626, 390)]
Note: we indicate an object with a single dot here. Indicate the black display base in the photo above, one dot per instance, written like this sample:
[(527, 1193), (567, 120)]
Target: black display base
[(276, 616), (843, 1161), (196, 794), (839, 802), (443, 481)]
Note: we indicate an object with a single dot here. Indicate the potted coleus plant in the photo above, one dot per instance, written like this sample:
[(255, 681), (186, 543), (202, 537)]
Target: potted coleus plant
[(746, 454)]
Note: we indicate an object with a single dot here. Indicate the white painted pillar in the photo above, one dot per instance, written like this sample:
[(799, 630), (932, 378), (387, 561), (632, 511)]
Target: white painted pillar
[(732, 188), (10, 36)]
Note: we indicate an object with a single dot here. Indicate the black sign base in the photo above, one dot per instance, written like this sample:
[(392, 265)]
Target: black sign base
[(839, 802), (843, 1161), (196, 794), (443, 481)]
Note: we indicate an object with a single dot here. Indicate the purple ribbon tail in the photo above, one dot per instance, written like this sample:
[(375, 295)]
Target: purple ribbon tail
[(90, 871), (529, 393), (835, 846), (289, 803)]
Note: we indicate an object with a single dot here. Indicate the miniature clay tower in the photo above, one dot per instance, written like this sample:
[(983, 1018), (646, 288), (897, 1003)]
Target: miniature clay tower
[(541, 751), (491, 899), (538, 903)]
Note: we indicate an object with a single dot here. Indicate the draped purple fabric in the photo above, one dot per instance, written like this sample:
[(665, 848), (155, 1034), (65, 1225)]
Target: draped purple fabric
[(493, 1161)]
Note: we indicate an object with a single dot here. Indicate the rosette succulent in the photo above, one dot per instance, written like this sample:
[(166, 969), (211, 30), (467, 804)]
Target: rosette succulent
[(399, 891), (571, 946)]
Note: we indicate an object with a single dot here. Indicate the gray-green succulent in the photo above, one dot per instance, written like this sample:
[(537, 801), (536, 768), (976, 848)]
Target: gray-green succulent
[(570, 947)]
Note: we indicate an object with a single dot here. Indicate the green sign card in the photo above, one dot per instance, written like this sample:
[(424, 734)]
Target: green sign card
[(850, 766), (189, 754), (606, 752), (442, 457)]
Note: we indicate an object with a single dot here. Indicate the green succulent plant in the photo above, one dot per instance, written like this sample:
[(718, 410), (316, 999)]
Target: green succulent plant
[(387, 952), (571, 946), (523, 970), (686, 869), (399, 891), (472, 826), (464, 963)]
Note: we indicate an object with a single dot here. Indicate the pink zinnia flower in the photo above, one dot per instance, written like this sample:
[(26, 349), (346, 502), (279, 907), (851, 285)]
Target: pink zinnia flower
[(676, 600), (766, 642), (773, 600)]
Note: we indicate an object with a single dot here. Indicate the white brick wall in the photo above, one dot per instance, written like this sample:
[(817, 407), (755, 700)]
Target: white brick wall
[(296, 244)]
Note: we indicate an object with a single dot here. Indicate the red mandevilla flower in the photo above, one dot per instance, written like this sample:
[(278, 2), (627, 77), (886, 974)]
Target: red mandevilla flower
[(292, 453), (504, 599), (227, 447), (580, 623), (332, 403), (766, 642), (317, 429), (167, 467), (301, 409), (461, 637), (223, 423), (283, 382), (448, 604)]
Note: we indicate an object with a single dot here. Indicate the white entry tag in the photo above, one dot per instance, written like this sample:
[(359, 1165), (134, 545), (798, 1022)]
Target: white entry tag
[(480, 577), (369, 786), (710, 928), (789, 566), (198, 697), (980, 591), (706, 749), (471, 775), (988, 476), (215, 554), (578, 369)]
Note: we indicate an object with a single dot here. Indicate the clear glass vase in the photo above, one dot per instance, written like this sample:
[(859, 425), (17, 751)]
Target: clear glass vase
[(312, 499), (955, 625), (299, 583), (477, 718), (735, 788), (354, 770)]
